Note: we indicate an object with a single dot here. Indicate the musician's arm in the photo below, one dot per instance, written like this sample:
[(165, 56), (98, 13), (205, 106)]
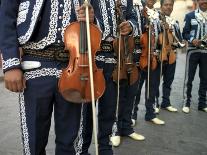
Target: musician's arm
[(97, 14), (187, 29), (8, 39), (131, 16), (178, 32)]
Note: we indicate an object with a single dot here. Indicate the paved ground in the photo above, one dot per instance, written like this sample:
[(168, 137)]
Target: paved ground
[(183, 134)]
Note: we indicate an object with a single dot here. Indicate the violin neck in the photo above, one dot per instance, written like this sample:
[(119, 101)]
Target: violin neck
[(83, 38), (83, 34)]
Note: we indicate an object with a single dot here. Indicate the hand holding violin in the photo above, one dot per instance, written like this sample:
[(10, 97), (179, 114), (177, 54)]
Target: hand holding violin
[(196, 42), (82, 14), (125, 28)]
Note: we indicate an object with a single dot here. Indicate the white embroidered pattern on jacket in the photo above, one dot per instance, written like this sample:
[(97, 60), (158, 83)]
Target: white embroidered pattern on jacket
[(42, 72), (138, 9), (105, 19), (25, 133), (78, 143), (23, 11), (66, 16), (202, 21), (10, 62), (52, 34), (106, 60), (23, 39), (124, 2), (198, 20), (112, 8)]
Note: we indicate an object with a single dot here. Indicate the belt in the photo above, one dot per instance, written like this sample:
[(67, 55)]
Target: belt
[(137, 40), (107, 46), (51, 53)]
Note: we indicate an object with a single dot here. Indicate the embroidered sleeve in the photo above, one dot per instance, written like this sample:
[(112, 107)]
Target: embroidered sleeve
[(132, 16), (8, 39), (187, 29)]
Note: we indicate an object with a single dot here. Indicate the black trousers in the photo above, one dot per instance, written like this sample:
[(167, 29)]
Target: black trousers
[(135, 108), (153, 88), (195, 58), (40, 98), (126, 100), (106, 113), (168, 73)]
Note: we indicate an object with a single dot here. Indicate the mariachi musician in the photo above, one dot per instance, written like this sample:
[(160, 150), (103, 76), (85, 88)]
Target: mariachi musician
[(195, 32), (174, 37), (106, 59), (122, 125), (138, 7), (152, 83), (38, 27)]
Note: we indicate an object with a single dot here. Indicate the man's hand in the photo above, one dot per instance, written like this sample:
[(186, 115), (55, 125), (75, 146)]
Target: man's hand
[(14, 80), (196, 42), (125, 28), (82, 13)]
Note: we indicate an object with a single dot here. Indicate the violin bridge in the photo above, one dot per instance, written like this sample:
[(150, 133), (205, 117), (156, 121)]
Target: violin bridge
[(84, 78)]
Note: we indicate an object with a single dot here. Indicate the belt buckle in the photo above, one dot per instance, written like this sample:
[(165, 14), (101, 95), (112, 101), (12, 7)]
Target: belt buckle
[(62, 56), (106, 47), (137, 40)]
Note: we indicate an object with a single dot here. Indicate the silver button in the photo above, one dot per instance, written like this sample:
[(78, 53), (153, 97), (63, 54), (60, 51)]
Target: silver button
[(59, 29), (60, 17), (58, 41), (61, 5)]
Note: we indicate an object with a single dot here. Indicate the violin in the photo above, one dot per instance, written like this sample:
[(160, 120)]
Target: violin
[(166, 40), (75, 80), (148, 58), (124, 46)]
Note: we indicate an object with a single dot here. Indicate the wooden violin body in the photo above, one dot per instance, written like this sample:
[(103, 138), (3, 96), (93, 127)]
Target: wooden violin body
[(124, 46), (147, 41), (74, 83), (128, 69), (166, 40)]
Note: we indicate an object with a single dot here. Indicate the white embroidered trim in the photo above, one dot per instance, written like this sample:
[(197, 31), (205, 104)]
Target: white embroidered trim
[(106, 60), (114, 129), (79, 140), (137, 51), (170, 21), (124, 2), (105, 18), (66, 16), (152, 14), (52, 29), (25, 133), (23, 39), (23, 10), (10, 62), (110, 61), (42, 72), (112, 8), (138, 9)]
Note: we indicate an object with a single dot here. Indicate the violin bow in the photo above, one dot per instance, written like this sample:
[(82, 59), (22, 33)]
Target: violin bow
[(149, 58), (86, 3)]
